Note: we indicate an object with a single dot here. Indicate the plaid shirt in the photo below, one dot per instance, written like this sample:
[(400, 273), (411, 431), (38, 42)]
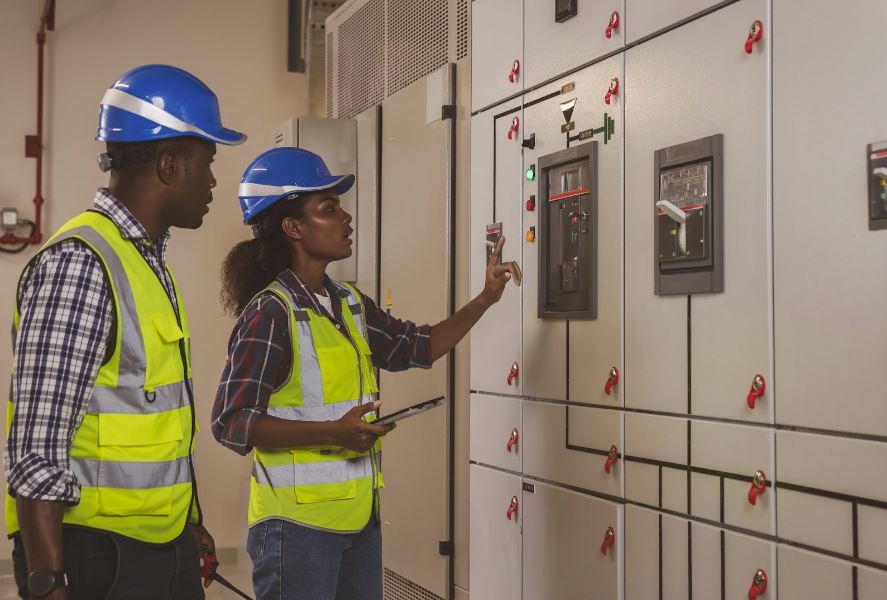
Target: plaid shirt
[(260, 354), (65, 328)]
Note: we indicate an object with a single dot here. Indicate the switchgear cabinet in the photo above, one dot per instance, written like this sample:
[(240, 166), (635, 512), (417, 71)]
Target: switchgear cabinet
[(689, 225), (568, 228)]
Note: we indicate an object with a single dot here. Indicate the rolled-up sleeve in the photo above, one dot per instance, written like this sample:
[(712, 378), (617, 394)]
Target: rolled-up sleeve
[(66, 317), (396, 344), (258, 361)]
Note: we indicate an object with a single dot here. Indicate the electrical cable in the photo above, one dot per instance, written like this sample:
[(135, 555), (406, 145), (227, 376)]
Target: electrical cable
[(22, 247)]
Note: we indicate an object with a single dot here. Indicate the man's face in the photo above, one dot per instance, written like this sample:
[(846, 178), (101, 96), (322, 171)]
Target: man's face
[(194, 184), (326, 227)]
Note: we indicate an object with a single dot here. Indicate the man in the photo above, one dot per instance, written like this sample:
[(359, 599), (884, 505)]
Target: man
[(102, 499)]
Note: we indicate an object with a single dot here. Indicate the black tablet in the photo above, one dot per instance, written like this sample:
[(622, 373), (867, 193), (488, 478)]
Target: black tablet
[(410, 411)]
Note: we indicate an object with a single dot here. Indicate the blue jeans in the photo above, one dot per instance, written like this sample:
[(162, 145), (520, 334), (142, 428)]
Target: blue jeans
[(292, 562)]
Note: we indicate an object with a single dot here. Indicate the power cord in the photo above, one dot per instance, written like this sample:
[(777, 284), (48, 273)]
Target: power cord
[(22, 247)]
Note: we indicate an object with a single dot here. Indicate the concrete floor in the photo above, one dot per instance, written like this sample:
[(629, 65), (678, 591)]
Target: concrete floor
[(239, 573)]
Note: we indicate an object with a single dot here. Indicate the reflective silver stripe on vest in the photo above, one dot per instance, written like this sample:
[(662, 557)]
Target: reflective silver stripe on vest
[(313, 473), (133, 362), (136, 401), (129, 474), (327, 412)]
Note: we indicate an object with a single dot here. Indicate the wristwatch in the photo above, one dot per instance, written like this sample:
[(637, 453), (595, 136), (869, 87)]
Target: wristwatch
[(43, 582)]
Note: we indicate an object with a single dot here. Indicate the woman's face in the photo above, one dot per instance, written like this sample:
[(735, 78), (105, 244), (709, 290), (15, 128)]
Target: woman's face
[(325, 228)]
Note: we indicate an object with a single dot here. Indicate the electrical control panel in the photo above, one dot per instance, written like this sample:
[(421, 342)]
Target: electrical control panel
[(877, 172), (564, 10), (568, 233), (689, 216)]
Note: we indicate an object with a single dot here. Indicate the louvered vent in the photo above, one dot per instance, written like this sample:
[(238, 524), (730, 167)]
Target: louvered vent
[(360, 61), (418, 39), (329, 75), (397, 587), (462, 29)]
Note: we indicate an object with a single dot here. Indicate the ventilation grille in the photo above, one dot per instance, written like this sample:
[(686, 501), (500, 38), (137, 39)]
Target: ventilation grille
[(379, 47), (401, 588), (417, 40), (329, 75), (360, 65), (462, 29)]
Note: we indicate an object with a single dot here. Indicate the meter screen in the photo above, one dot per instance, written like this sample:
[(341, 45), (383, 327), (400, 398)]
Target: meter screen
[(685, 187)]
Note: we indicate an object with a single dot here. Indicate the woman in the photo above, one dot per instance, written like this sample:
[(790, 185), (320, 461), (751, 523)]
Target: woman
[(299, 386)]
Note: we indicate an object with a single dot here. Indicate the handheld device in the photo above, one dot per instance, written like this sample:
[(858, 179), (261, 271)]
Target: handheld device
[(410, 411)]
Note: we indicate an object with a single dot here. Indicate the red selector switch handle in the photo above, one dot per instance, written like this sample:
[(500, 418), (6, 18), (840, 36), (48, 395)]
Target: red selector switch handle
[(515, 71), (512, 440), (513, 374), (512, 509), (612, 381), (754, 35), (612, 458), (758, 585), (515, 126), (756, 391), (758, 487), (613, 24), (609, 540)]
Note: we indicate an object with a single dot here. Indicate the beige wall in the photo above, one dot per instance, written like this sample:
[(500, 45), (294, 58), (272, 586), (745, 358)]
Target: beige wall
[(239, 50)]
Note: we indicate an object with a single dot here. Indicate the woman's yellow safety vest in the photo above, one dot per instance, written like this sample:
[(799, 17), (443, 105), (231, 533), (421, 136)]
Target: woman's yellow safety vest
[(325, 487), (132, 452)]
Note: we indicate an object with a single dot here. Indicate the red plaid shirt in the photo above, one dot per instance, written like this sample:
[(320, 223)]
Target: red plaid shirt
[(260, 354)]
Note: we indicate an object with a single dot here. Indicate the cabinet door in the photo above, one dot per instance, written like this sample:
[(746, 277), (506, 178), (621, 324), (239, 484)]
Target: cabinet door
[(495, 198), (656, 553), (573, 359), (689, 84), (496, 43), (830, 289), (728, 561), (496, 432), (495, 570), (563, 533)]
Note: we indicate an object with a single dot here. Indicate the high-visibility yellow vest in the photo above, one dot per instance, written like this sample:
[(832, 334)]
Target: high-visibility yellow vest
[(325, 487), (132, 452)]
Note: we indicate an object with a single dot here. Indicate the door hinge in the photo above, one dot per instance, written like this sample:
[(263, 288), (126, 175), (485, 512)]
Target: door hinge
[(448, 111), (445, 548)]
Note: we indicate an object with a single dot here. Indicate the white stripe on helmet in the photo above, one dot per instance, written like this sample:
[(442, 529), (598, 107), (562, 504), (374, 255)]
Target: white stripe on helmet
[(260, 189), (143, 108)]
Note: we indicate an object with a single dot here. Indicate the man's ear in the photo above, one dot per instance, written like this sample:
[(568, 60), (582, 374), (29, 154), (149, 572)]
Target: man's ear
[(292, 228), (167, 167)]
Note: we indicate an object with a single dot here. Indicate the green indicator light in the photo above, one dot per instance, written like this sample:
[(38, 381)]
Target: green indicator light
[(531, 172)]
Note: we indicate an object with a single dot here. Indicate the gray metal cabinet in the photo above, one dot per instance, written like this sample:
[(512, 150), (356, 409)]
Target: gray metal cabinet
[(496, 43), (495, 198), (495, 544), (552, 47), (830, 288), (563, 535), (688, 84)]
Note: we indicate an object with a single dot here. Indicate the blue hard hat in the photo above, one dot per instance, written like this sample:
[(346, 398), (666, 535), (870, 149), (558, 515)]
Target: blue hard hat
[(154, 102), (280, 172)]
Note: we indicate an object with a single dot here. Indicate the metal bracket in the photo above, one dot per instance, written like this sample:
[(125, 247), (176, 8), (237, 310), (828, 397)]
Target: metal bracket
[(448, 111), (445, 548)]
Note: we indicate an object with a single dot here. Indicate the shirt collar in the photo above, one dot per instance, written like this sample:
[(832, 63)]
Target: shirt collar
[(130, 227), (304, 295)]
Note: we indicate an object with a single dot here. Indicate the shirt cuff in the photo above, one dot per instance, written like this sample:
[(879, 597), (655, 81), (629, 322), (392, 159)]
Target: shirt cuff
[(36, 478), (237, 431)]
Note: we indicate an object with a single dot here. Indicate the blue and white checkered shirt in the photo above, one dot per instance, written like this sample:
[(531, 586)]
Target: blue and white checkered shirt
[(65, 327)]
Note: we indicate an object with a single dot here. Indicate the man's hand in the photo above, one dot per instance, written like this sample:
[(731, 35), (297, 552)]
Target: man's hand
[(356, 434), (498, 274), (205, 545)]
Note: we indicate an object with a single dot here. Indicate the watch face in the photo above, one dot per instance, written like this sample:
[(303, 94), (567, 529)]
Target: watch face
[(42, 582)]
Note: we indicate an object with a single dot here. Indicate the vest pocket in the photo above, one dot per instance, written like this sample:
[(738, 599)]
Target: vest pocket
[(324, 492), (338, 371), (115, 502), (151, 437), (167, 328)]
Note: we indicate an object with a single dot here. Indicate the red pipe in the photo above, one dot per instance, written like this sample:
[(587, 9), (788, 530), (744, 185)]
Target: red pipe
[(47, 22)]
